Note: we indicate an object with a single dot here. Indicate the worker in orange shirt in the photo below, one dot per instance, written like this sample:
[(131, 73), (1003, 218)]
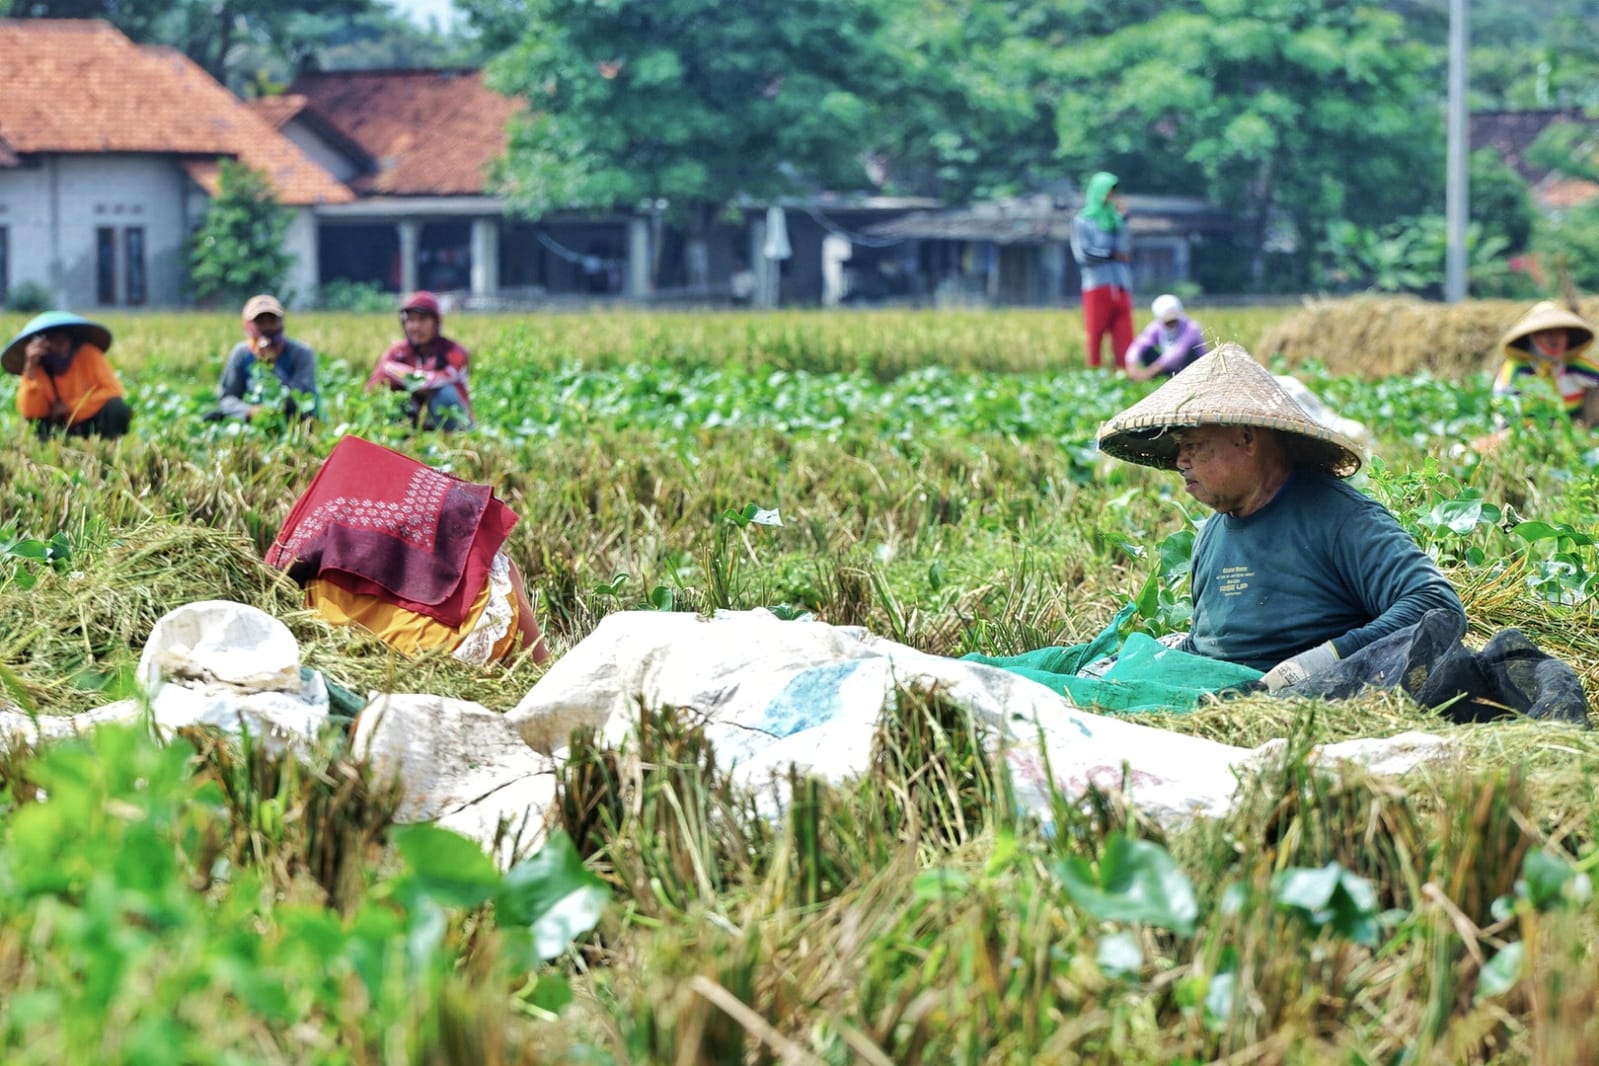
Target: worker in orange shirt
[(67, 383)]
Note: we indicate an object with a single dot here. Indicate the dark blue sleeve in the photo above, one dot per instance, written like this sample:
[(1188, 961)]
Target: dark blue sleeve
[(1393, 579), (236, 379), (299, 373)]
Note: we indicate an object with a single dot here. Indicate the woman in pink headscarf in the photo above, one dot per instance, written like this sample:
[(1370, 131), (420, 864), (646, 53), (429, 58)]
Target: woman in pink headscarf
[(427, 365)]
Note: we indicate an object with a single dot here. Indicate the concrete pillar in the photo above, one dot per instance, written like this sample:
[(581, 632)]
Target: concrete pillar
[(485, 256), (1052, 267), (410, 242), (637, 285), (767, 276), (836, 251)]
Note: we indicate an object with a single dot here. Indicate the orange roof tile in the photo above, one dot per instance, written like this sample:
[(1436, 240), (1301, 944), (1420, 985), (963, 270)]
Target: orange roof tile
[(1561, 194), (431, 132), (91, 90)]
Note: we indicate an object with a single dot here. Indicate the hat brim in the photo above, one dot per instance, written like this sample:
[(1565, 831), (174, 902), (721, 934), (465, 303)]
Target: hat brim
[(15, 356), (1548, 316), (1224, 388)]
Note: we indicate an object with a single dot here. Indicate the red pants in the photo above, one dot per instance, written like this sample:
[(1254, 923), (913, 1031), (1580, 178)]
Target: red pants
[(1108, 309)]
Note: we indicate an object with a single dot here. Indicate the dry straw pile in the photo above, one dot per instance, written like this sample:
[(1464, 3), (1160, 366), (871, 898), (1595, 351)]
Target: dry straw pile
[(1380, 336)]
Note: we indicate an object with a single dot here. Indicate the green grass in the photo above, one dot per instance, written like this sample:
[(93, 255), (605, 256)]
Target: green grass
[(937, 482)]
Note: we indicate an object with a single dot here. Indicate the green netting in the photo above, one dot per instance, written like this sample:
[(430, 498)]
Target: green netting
[(1146, 676)]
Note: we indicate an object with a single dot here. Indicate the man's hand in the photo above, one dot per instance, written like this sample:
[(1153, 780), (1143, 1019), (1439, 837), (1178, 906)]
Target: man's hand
[(1293, 671)]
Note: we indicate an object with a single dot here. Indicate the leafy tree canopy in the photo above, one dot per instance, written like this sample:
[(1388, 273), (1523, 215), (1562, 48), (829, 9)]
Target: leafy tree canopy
[(1290, 112), (238, 249), (690, 102), (210, 32)]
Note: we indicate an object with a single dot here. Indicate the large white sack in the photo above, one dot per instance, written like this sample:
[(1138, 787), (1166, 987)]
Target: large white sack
[(235, 667), (460, 765), (772, 693), (212, 663)]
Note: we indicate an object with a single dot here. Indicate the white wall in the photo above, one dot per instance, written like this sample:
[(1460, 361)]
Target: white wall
[(53, 209), (319, 151), (299, 240)]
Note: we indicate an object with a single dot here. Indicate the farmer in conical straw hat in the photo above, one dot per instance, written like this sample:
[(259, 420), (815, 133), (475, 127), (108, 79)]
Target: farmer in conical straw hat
[(1298, 574), (1555, 344), (67, 383)]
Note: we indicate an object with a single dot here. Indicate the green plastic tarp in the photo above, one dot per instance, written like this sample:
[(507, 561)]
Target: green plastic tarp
[(1146, 676)]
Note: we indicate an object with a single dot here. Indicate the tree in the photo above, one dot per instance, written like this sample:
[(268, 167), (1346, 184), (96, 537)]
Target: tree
[(210, 32), (1292, 113), (687, 104), (238, 249)]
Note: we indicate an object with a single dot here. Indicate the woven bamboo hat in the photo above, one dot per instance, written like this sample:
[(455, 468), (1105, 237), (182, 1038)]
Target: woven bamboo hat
[(1225, 388), (14, 357), (1547, 315)]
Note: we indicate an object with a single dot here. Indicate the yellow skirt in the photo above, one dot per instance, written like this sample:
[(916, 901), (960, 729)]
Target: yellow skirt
[(487, 634)]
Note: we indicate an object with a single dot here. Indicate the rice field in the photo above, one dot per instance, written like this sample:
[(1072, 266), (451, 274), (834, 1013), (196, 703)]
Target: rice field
[(937, 481)]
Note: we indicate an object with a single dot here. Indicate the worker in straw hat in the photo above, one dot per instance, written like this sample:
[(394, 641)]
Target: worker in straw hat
[(1555, 344), (1303, 577), (67, 383)]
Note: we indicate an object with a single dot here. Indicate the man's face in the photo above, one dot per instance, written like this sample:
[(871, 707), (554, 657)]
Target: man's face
[(51, 351), (269, 337), (1552, 342), (52, 343), (1219, 469), (420, 326)]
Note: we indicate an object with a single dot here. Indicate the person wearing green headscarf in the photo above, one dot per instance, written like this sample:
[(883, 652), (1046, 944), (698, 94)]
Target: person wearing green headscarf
[(1102, 244)]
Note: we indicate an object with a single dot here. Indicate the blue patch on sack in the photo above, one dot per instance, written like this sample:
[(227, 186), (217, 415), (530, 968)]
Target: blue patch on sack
[(811, 698)]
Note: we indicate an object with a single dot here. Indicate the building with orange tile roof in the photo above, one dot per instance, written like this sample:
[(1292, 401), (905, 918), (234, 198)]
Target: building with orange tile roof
[(109, 154)]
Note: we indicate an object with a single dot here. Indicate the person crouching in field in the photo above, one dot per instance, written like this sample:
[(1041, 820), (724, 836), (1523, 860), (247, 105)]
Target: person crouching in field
[(427, 365), (67, 383), (1307, 579), (293, 364), (1166, 345), (1552, 343), (413, 555)]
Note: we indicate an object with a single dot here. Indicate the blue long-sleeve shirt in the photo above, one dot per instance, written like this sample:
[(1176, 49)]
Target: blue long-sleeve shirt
[(1320, 562), (295, 367)]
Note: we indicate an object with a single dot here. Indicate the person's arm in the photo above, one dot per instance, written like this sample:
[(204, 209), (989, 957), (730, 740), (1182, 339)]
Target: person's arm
[(1141, 349), (1090, 244), (99, 381), (391, 368), (36, 394), (235, 380), (1189, 345), (1589, 415), (453, 372), (1392, 578), (298, 368), (1124, 242)]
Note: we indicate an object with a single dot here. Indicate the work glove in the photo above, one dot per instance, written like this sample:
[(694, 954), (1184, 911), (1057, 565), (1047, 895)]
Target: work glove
[(1293, 671)]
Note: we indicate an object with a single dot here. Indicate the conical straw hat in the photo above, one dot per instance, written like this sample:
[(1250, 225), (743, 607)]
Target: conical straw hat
[(1224, 388), (1547, 314)]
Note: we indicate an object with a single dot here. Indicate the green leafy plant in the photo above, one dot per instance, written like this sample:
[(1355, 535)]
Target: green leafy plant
[(238, 249)]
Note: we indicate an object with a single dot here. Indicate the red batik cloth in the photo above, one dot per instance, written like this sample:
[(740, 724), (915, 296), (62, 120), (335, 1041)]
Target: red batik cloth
[(377, 522)]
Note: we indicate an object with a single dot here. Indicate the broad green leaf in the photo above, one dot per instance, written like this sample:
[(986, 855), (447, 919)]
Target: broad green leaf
[(448, 868), (1136, 881), (1543, 876), (1499, 974), (554, 894)]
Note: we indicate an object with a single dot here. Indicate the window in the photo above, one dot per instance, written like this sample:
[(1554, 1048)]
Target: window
[(105, 245), (133, 255)]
